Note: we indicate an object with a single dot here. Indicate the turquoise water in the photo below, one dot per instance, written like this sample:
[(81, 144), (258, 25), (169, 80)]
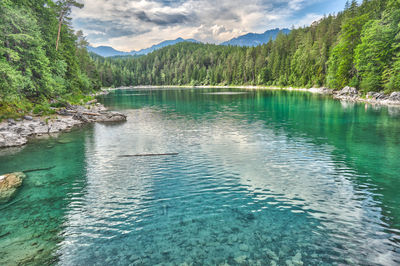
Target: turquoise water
[(261, 178)]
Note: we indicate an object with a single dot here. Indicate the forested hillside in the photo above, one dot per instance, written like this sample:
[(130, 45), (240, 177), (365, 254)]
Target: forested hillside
[(358, 47), (41, 58)]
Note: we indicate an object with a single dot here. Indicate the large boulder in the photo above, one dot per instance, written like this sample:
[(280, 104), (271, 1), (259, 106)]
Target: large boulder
[(92, 113), (376, 95), (9, 184), (103, 116), (11, 139), (111, 117), (348, 91), (395, 96)]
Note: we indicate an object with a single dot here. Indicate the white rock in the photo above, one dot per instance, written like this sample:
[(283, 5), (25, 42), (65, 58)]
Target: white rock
[(272, 255), (241, 259), (244, 247), (11, 139)]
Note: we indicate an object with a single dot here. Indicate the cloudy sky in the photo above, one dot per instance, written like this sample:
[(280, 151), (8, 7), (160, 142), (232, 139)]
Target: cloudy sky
[(135, 24)]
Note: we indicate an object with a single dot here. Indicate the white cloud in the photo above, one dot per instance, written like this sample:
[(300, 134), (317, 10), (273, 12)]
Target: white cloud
[(138, 24)]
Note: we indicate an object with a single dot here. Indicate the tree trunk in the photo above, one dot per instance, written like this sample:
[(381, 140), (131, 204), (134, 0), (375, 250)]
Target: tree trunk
[(59, 30)]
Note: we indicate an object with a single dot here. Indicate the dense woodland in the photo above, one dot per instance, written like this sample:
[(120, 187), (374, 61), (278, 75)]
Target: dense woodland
[(42, 58), (43, 61), (359, 47)]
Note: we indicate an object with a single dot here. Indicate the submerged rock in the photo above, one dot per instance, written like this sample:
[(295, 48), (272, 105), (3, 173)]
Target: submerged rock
[(289, 263), (296, 260), (240, 259), (271, 255), (9, 184), (244, 247)]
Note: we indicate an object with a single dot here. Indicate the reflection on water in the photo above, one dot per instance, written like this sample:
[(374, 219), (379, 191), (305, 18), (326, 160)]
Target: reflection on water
[(261, 177)]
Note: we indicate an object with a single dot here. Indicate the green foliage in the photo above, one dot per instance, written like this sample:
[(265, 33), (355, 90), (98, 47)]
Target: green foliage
[(73, 99), (43, 108), (31, 70), (375, 56), (14, 108), (23, 54), (341, 64), (391, 74), (372, 54)]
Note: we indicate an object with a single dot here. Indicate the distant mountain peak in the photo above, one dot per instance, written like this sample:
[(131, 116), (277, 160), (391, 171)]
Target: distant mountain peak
[(107, 51), (255, 39)]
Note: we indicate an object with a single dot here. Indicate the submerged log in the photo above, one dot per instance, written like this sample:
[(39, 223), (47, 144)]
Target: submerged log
[(38, 169), (148, 155), (5, 234)]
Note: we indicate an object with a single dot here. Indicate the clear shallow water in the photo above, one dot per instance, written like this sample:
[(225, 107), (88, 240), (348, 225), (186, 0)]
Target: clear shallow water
[(261, 176)]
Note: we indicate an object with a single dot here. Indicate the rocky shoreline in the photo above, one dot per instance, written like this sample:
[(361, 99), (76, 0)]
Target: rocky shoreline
[(345, 94), (352, 94), (15, 133)]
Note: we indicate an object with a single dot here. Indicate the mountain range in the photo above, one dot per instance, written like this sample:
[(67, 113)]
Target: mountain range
[(255, 39), (107, 51), (250, 39)]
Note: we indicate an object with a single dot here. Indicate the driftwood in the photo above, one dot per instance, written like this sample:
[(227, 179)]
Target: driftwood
[(91, 102), (6, 234), (83, 113), (37, 170), (92, 114), (148, 155)]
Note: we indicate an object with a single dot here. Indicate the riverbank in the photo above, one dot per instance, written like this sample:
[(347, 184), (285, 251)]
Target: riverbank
[(18, 132), (312, 90), (345, 94)]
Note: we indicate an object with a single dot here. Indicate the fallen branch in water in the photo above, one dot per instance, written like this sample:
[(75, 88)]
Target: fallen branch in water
[(39, 169), (148, 155)]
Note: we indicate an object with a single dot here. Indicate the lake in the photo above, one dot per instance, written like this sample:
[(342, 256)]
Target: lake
[(257, 177)]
